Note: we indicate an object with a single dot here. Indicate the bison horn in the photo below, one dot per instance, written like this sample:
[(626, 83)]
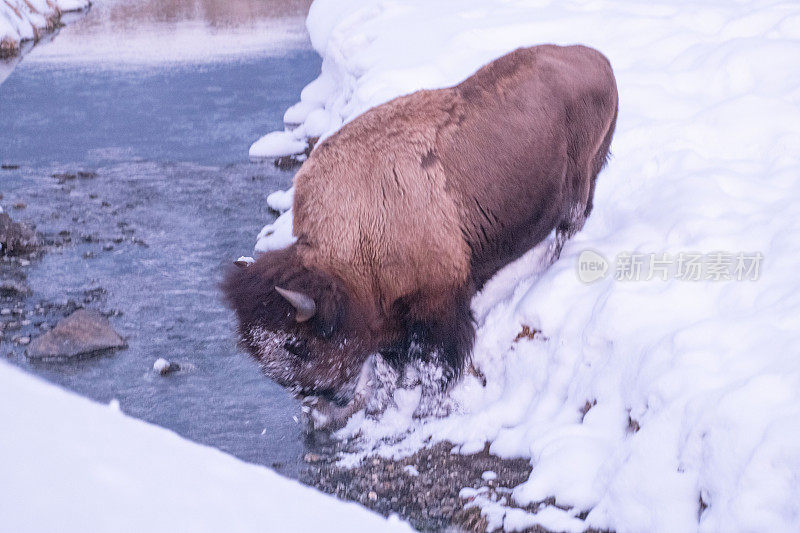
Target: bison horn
[(303, 303), (241, 264)]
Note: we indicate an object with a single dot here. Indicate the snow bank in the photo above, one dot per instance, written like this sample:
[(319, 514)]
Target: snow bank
[(692, 387), (68, 464), (24, 20)]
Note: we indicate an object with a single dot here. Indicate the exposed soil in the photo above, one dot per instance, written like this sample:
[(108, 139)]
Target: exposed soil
[(423, 488)]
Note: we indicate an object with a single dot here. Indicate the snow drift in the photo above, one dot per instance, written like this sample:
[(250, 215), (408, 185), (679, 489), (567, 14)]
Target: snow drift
[(664, 404), (25, 20), (69, 464)]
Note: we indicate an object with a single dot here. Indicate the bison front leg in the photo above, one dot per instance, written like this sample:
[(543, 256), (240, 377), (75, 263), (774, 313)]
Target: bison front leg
[(382, 384), (435, 379), (438, 349)]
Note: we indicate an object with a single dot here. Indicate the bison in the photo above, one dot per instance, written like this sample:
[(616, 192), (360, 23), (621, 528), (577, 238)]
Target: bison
[(405, 212)]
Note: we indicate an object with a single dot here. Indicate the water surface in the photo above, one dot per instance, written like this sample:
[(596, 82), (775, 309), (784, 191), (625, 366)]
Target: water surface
[(168, 200)]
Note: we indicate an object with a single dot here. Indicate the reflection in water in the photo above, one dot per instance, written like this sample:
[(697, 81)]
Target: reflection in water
[(156, 31), (7, 65), (213, 13)]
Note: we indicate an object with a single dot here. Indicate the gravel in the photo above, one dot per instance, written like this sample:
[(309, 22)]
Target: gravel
[(423, 488)]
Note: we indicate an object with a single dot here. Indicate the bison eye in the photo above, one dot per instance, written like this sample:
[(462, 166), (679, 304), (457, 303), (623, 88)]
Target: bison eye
[(325, 330), (296, 347)]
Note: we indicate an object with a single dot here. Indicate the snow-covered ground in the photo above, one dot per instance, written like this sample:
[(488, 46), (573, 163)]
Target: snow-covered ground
[(24, 20), (692, 386), (68, 464)]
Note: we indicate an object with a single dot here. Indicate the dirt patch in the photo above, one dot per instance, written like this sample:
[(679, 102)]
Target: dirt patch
[(529, 333), (423, 488)]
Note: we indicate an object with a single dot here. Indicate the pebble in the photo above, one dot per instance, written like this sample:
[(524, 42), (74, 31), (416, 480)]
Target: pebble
[(411, 470), (164, 367)]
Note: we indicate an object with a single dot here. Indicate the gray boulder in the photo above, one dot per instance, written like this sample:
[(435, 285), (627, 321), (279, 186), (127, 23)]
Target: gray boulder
[(12, 287), (82, 333), (16, 238)]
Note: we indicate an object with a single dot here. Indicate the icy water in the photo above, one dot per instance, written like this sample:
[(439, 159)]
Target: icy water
[(160, 130)]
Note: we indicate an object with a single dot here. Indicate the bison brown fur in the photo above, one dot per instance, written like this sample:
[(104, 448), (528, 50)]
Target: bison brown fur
[(405, 212)]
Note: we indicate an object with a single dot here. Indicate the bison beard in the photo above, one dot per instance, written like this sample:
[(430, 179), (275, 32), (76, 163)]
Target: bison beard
[(405, 212)]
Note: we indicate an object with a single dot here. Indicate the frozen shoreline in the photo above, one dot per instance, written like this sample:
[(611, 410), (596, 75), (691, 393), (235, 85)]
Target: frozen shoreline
[(628, 404), (29, 20)]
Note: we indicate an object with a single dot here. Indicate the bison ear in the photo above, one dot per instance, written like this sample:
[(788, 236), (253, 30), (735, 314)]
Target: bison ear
[(303, 304)]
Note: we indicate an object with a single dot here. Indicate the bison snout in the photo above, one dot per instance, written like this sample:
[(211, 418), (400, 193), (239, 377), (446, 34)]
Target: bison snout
[(329, 409)]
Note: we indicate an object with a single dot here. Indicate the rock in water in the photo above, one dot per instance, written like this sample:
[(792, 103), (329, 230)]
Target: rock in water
[(11, 287), (83, 332), (164, 367), (16, 238)]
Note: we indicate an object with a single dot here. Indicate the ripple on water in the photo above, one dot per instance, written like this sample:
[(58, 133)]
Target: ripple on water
[(168, 202)]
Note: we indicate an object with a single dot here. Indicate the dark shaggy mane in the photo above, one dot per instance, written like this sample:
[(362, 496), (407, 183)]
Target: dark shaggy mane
[(250, 292)]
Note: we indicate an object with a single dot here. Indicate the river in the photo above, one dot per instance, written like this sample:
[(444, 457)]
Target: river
[(152, 107)]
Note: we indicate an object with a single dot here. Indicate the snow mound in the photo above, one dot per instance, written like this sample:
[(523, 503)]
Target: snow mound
[(281, 200), (276, 235), (25, 20), (278, 143), (664, 404), (69, 464)]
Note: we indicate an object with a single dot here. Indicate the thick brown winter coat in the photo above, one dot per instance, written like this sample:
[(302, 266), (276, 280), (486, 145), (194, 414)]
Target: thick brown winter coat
[(410, 208)]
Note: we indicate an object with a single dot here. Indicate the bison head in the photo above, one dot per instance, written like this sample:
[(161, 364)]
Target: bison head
[(300, 324)]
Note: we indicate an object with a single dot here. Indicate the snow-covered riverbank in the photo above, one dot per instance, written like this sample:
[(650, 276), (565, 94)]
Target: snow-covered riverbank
[(26, 20), (69, 464), (663, 404)]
